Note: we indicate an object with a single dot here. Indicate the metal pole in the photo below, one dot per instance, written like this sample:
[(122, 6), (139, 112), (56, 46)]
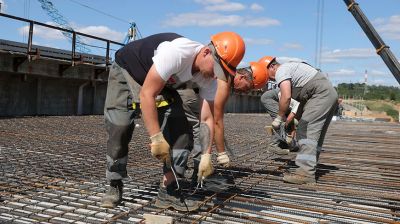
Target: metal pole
[(108, 53), (383, 50), (73, 48), (30, 37)]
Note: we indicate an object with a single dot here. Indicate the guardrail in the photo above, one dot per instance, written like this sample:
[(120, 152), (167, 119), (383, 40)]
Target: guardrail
[(73, 45)]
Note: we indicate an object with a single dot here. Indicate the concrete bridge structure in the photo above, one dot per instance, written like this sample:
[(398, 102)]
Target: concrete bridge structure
[(47, 81)]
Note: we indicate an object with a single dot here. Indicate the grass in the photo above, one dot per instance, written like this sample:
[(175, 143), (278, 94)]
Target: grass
[(383, 106)]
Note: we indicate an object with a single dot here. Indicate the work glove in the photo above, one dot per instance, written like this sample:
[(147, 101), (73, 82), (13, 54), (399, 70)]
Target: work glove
[(205, 167), (277, 122), (223, 159), (160, 148)]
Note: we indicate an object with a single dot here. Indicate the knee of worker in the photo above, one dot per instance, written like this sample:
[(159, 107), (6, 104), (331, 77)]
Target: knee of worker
[(179, 160), (183, 141), (268, 101), (301, 132), (118, 139), (119, 117), (196, 153)]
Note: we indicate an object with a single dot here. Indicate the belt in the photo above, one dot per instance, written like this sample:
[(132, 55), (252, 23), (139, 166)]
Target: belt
[(162, 103)]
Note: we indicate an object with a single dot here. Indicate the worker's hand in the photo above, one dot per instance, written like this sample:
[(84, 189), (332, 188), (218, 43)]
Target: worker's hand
[(205, 167), (277, 122), (160, 148), (223, 159)]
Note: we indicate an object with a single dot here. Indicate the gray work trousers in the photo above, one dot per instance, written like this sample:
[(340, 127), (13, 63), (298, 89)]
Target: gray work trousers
[(270, 100), (191, 105), (320, 101), (122, 91)]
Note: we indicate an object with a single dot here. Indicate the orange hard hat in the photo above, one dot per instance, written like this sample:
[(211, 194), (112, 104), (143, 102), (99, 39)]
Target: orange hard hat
[(266, 60), (230, 49), (260, 74)]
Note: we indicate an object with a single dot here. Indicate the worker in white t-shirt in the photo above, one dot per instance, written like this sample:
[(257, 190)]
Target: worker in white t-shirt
[(162, 75)]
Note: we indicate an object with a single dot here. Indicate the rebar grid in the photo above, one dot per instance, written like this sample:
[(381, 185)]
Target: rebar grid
[(53, 171)]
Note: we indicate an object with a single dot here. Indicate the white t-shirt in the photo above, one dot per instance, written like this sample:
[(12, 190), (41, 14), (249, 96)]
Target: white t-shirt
[(173, 60)]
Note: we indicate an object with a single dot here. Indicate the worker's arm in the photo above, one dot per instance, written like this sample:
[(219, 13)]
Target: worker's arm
[(284, 102), (214, 113), (206, 125), (152, 86), (206, 137), (289, 118), (286, 93), (221, 97)]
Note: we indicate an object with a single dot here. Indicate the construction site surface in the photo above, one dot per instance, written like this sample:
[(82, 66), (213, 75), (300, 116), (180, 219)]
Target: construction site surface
[(53, 171)]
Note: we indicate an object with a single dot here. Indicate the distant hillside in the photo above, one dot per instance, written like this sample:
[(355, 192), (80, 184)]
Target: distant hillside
[(350, 90)]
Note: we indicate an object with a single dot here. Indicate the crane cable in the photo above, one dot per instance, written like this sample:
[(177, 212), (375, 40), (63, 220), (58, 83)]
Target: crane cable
[(319, 32), (107, 14), (27, 6)]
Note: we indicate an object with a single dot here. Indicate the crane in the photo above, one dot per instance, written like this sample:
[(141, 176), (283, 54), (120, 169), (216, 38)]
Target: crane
[(381, 48), (60, 20), (131, 35)]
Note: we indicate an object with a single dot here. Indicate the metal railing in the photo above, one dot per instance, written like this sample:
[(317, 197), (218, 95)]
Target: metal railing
[(74, 35)]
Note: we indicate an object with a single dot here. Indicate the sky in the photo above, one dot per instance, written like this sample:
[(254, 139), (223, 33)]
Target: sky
[(321, 32)]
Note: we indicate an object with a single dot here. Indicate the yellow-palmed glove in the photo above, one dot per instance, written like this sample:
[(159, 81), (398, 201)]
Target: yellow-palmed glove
[(223, 159), (276, 124), (160, 148), (205, 167)]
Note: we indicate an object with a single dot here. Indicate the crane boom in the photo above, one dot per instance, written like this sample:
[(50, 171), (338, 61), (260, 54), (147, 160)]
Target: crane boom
[(61, 21), (383, 50), (131, 35)]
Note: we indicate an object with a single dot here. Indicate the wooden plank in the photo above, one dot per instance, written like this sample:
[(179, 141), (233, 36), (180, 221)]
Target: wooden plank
[(157, 219)]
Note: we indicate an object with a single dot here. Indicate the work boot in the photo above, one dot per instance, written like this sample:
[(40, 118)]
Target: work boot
[(275, 148), (169, 197), (114, 194), (299, 178)]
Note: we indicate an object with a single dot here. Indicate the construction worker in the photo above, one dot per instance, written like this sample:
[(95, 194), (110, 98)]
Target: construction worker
[(270, 100), (247, 78), (151, 71), (282, 140), (256, 72), (312, 89)]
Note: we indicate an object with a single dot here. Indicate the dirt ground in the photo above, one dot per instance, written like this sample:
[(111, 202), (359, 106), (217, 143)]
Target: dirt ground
[(357, 109)]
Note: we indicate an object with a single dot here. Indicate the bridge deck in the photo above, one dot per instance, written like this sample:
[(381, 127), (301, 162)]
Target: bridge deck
[(52, 170)]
